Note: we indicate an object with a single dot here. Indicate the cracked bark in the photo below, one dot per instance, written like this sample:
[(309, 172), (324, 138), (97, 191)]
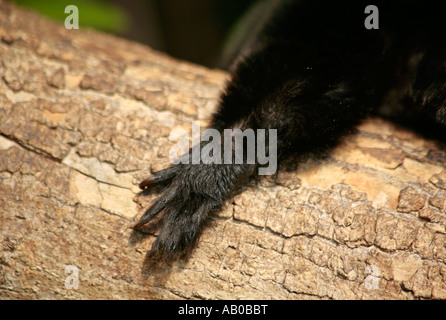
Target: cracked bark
[(83, 116)]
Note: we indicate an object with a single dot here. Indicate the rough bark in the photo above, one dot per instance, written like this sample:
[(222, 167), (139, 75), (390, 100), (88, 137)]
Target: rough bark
[(84, 116)]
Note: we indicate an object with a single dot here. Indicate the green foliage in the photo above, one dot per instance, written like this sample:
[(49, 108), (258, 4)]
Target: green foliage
[(96, 14)]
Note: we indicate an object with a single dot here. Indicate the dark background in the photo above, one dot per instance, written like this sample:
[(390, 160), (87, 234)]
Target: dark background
[(193, 30)]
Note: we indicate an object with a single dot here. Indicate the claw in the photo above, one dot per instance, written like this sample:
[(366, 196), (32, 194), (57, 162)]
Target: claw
[(159, 205), (159, 177)]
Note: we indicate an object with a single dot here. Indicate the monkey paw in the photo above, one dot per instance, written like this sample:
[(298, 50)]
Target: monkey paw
[(192, 192)]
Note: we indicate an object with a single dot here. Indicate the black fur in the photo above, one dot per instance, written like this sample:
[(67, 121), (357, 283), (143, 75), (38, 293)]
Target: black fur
[(313, 74)]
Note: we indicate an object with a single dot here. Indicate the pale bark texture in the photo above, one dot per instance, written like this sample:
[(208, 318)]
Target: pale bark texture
[(85, 116)]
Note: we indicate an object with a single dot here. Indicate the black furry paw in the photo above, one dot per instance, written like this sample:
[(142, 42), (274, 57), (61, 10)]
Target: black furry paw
[(193, 191)]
